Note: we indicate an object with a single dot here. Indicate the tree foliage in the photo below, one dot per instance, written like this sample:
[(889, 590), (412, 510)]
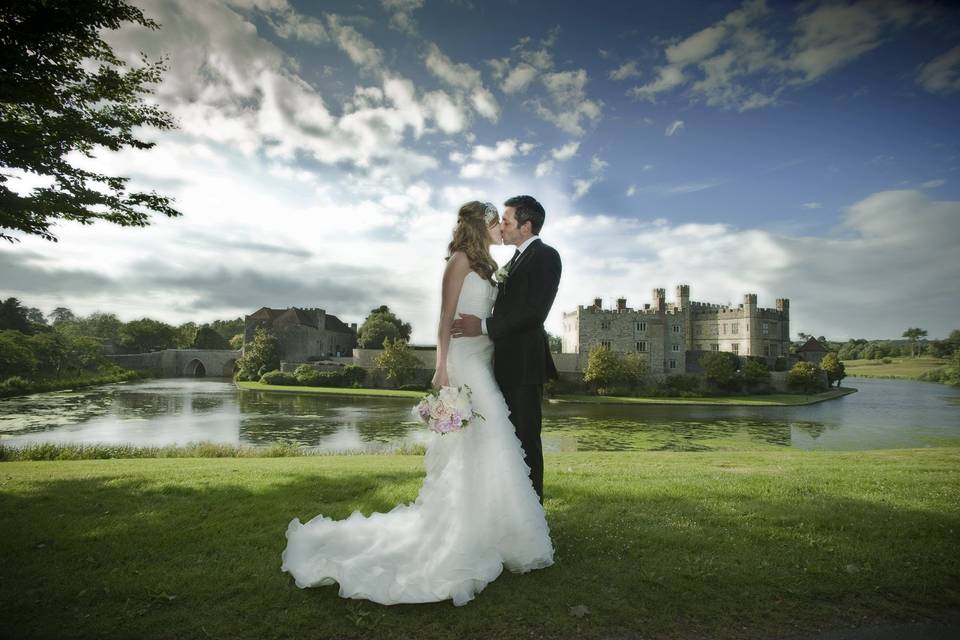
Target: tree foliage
[(835, 369), (913, 334), (64, 91), (804, 376), (720, 369), (380, 325), (208, 338), (146, 335), (260, 356), (607, 370), (397, 361)]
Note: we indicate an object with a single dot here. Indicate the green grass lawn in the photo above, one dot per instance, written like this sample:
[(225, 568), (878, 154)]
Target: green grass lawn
[(773, 399), (901, 367), (340, 391), (663, 544)]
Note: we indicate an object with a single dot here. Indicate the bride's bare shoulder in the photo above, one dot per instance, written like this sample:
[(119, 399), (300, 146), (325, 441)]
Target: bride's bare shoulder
[(458, 262)]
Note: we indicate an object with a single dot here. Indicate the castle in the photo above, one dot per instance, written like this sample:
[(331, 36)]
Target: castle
[(668, 335), (305, 334)]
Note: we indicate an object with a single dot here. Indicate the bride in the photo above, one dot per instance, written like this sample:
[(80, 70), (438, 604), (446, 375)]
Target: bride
[(477, 510)]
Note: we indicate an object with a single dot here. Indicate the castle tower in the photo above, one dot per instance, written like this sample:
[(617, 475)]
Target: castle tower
[(751, 322), (750, 302), (621, 304), (659, 299), (783, 306), (683, 296)]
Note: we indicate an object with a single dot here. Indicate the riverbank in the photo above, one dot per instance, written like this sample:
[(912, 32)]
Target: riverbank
[(17, 386), (662, 544), (336, 391), (898, 369), (770, 400)]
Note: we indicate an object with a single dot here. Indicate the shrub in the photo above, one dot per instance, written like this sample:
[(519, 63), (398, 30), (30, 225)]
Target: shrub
[(397, 361), (308, 377), (804, 376), (14, 385), (754, 373), (562, 386), (887, 361), (353, 375), (279, 377), (720, 369), (679, 383)]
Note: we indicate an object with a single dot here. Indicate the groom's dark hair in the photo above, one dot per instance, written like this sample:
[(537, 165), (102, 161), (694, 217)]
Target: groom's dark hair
[(528, 210)]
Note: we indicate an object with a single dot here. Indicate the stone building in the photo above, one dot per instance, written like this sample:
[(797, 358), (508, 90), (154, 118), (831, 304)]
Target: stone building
[(304, 334), (812, 351), (670, 335)]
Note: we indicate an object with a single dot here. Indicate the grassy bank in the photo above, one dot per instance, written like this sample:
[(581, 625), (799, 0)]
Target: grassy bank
[(901, 367), (18, 386), (663, 544), (340, 391), (773, 399)]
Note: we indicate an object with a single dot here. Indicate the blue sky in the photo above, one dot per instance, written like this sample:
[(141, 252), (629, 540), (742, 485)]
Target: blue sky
[(799, 150)]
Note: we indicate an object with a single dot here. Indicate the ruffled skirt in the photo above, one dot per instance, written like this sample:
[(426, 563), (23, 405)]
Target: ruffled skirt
[(476, 513)]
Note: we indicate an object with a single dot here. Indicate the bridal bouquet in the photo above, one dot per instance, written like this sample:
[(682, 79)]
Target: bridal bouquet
[(447, 410)]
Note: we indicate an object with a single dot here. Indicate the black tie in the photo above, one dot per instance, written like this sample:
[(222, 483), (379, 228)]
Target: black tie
[(516, 254)]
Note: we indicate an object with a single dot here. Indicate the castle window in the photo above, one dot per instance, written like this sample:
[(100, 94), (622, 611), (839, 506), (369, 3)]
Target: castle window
[(641, 346), (734, 328), (765, 328), (735, 347), (673, 364), (606, 343), (640, 326), (676, 347), (676, 328), (715, 347), (766, 349), (605, 325), (724, 328)]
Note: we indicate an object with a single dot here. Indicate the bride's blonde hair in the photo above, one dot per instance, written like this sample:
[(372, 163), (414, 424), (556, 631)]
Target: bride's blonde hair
[(471, 236)]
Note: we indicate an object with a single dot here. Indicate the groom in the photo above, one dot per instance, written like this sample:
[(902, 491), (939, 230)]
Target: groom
[(521, 352)]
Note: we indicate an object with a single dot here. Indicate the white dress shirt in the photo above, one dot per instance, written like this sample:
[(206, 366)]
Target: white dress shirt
[(523, 245)]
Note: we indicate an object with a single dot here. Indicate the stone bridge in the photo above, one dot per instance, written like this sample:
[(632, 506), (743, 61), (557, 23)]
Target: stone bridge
[(177, 363)]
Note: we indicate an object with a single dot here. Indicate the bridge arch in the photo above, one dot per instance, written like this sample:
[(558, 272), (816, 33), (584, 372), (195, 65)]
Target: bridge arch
[(195, 369)]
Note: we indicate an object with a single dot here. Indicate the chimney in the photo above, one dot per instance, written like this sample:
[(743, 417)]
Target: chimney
[(597, 303), (659, 299), (621, 304)]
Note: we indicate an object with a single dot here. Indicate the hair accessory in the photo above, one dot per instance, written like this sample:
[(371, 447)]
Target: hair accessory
[(490, 213)]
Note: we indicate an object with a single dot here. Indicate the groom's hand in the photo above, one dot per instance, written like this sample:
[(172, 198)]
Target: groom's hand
[(466, 326)]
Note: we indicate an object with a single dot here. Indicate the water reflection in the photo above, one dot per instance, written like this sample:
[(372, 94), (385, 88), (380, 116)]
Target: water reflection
[(885, 413)]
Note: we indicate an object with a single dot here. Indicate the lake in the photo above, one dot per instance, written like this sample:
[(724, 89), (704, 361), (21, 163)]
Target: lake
[(883, 414)]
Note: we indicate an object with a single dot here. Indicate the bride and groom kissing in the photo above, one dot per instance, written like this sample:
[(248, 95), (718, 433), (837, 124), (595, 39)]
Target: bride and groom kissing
[(480, 507)]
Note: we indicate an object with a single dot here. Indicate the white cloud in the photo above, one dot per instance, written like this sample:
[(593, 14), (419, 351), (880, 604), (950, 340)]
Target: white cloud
[(675, 127), (401, 14), (570, 105), (933, 184), (625, 71), (724, 63), (582, 185), (490, 162), (942, 74), (631, 191), (565, 152), (361, 51), (544, 168), (464, 78), (597, 165), (519, 78), (812, 205)]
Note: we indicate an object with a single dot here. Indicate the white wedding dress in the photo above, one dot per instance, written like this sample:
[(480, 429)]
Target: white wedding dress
[(476, 512)]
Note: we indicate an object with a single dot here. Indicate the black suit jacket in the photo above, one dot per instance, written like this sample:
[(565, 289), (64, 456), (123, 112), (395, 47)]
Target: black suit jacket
[(521, 351)]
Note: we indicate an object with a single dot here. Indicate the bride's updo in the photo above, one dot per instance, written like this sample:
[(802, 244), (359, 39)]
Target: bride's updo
[(471, 236)]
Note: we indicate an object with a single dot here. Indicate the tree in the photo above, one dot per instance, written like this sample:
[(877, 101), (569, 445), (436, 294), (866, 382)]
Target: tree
[(951, 373), (755, 373), (603, 368), (228, 328), (61, 315), (262, 355), (804, 376), (720, 369), (374, 332), (145, 335), (835, 369), (236, 342), (64, 91), (914, 334), (16, 358), (13, 315), (555, 342), (397, 361), (207, 338), (186, 335)]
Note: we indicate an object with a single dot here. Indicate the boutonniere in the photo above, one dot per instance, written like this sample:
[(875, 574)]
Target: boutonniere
[(502, 274)]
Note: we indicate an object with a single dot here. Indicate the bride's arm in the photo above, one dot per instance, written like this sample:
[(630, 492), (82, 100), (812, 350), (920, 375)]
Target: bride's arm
[(457, 268)]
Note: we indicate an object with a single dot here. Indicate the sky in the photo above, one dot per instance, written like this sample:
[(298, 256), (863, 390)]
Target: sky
[(801, 150)]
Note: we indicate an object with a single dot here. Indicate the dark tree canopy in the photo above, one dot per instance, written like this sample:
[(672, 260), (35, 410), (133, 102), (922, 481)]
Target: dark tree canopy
[(63, 90)]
